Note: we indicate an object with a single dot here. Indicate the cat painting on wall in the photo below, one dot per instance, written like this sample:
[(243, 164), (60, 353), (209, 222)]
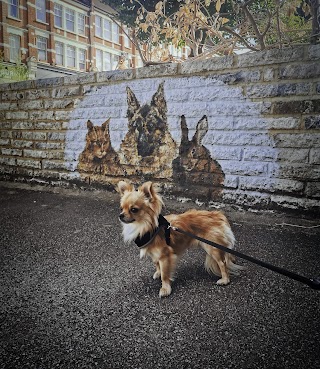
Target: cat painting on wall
[(98, 156)]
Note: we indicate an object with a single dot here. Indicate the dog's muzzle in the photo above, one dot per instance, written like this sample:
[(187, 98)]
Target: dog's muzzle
[(123, 219)]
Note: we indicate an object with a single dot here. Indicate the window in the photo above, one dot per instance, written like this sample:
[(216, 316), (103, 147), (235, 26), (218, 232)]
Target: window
[(115, 33), (71, 56), (98, 26), (58, 15), (42, 48), (14, 8), (115, 61), (82, 59), (70, 20), (107, 64), (81, 24), (107, 33), (59, 53), (99, 59), (14, 42), (41, 10), (126, 38), (105, 61)]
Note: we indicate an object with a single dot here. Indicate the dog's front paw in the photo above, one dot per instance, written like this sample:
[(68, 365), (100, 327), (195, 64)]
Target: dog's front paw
[(165, 291), (223, 281), (156, 275)]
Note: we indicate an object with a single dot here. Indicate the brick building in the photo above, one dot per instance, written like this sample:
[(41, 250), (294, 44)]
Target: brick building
[(63, 37)]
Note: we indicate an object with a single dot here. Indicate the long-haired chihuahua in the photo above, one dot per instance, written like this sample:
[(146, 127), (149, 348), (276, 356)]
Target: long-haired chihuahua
[(143, 223)]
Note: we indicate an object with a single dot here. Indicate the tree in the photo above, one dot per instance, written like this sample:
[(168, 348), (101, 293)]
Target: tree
[(213, 27)]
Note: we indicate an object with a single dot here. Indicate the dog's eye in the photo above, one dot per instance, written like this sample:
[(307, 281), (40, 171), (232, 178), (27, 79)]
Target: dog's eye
[(134, 210)]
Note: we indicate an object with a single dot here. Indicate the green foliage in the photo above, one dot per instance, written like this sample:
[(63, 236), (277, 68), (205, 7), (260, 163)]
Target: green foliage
[(18, 72), (127, 10)]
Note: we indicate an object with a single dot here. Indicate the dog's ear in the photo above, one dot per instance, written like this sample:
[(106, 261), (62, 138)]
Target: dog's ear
[(89, 125), (133, 104), (159, 101), (123, 186), (148, 190)]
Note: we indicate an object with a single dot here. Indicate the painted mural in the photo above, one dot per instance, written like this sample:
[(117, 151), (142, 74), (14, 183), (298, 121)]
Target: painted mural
[(194, 164), (148, 150), (148, 147), (197, 136), (98, 157)]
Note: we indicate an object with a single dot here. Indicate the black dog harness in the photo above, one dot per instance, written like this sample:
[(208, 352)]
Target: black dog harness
[(149, 236)]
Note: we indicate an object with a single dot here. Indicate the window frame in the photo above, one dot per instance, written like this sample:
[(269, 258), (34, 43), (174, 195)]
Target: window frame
[(99, 61), (81, 26), (125, 38), (15, 56), (58, 7), (14, 4), (44, 40), (82, 60), (42, 4), (59, 44), (71, 57), (100, 26), (107, 61), (115, 33), (70, 12), (107, 32)]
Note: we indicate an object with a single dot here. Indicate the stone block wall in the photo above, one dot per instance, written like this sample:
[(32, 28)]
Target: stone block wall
[(238, 129)]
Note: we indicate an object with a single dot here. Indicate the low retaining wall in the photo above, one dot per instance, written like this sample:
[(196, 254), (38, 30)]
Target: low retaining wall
[(237, 129)]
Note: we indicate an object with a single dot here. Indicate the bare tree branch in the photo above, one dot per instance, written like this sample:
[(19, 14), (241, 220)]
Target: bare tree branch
[(253, 23), (243, 40)]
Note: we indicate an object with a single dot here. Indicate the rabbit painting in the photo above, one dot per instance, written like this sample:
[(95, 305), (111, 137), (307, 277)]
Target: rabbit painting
[(194, 165)]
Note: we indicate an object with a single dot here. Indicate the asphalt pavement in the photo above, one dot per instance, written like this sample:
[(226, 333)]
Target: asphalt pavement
[(73, 295)]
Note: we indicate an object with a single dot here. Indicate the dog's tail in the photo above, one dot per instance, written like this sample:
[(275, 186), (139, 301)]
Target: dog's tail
[(211, 265), (233, 268)]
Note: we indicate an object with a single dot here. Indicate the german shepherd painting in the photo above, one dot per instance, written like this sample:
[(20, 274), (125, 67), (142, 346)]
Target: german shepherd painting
[(148, 146)]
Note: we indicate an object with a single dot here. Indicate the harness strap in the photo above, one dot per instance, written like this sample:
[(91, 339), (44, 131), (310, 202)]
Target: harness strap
[(149, 236), (164, 223), (314, 283)]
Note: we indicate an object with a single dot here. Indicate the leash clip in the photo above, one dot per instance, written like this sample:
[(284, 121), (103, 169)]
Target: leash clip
[(172, 227)]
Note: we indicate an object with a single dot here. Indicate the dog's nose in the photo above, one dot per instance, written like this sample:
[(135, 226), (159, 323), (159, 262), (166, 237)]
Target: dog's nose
[(121, 216)]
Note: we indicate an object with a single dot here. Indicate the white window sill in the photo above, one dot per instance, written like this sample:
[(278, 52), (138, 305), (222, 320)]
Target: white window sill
[(14, 18), (42, 22)]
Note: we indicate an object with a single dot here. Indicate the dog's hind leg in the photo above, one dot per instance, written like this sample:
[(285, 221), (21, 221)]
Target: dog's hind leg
[(157, 273), (217, 260)]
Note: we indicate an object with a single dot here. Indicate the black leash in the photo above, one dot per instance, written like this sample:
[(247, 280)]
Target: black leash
[(314, 283)]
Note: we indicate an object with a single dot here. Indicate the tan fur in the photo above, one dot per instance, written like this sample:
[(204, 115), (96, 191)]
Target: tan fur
[(99, 157), (139, 213)]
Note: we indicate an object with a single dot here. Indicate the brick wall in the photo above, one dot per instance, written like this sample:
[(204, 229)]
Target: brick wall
[(258, 145)]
